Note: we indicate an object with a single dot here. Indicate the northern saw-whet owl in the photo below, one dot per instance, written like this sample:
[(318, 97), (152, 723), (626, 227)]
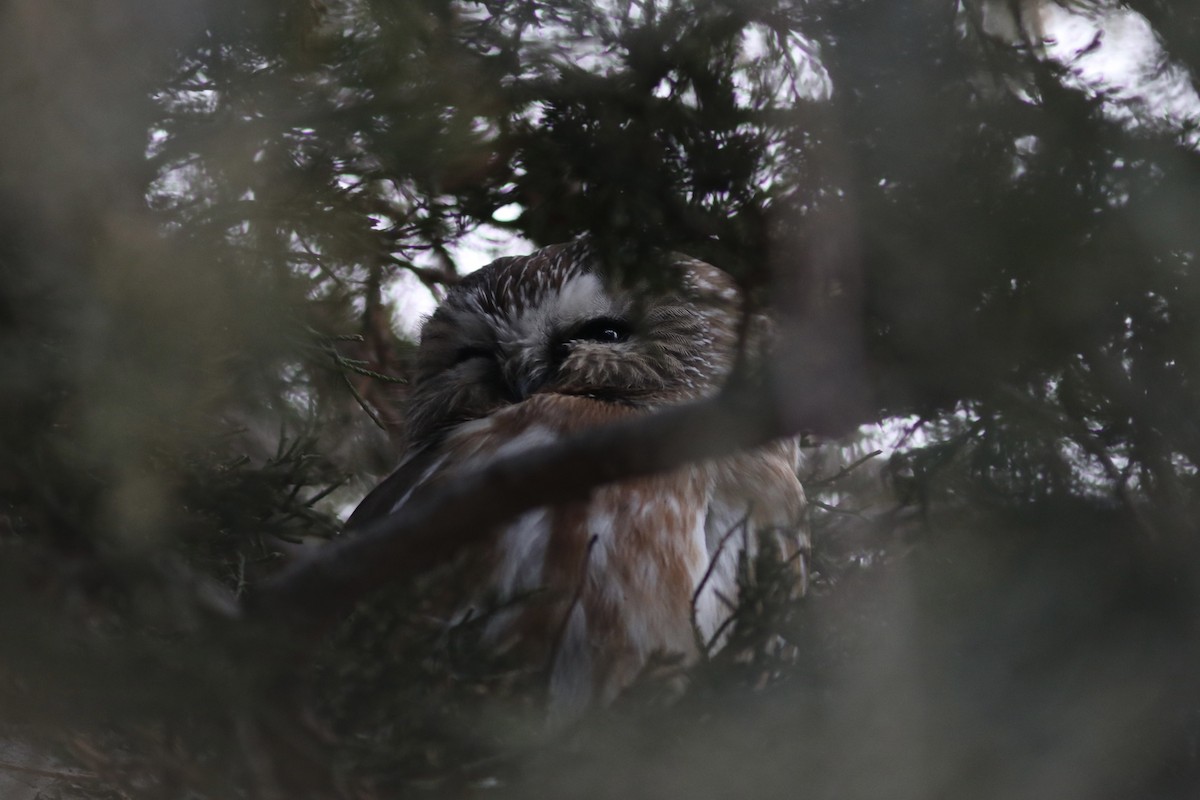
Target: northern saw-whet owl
[(532, 349)]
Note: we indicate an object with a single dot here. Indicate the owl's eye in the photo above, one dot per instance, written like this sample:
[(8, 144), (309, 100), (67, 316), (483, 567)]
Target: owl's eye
[(464, 354), (605, 330)]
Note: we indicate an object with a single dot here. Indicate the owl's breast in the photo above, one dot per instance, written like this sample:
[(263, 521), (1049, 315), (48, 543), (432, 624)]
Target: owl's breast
[(596, 588)]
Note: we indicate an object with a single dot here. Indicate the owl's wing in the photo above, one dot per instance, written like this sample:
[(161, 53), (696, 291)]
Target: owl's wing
[(757, 492), (754, 493), (396, 488)]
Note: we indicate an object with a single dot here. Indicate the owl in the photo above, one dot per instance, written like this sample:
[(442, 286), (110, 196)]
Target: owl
[(530, 350)]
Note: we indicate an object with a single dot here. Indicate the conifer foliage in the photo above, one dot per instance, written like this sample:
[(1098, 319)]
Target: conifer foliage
[(214, 214)]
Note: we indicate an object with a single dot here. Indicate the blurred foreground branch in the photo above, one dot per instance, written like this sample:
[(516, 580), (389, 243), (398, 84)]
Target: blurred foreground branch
[(319, 590)]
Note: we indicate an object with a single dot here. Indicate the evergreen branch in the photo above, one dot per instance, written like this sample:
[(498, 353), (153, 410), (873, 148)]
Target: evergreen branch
[(837, 509), (369, 373), (315, 592), (321, 495), (740, 525), (843, 472), (362, 402)]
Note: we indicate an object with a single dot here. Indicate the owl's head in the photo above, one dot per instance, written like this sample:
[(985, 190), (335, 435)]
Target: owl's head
[(558, 321)]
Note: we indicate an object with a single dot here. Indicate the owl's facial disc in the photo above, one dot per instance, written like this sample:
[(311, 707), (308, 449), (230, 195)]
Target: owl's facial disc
[(553, 360), (543, 341), (555, 322)]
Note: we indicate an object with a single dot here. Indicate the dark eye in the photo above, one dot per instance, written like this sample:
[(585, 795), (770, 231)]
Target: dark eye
[(602, 329), (467, 353)]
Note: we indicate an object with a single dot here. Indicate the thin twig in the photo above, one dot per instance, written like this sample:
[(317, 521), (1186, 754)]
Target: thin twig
[(716, 637), (837, 509), (362, 401), (356, 366), (712, 565), (321, 495), (843, 472), (60, 774)]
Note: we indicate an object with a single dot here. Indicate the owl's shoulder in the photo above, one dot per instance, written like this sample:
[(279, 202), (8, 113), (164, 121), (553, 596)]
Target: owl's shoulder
[(414, 470), (540, 420)]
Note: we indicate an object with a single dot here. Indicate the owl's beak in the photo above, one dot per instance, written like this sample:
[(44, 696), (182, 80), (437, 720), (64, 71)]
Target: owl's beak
[(526, 386), (528, 367), (526, 379)]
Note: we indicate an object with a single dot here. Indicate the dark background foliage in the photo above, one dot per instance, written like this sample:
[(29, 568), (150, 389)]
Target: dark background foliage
[(210, 213)]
